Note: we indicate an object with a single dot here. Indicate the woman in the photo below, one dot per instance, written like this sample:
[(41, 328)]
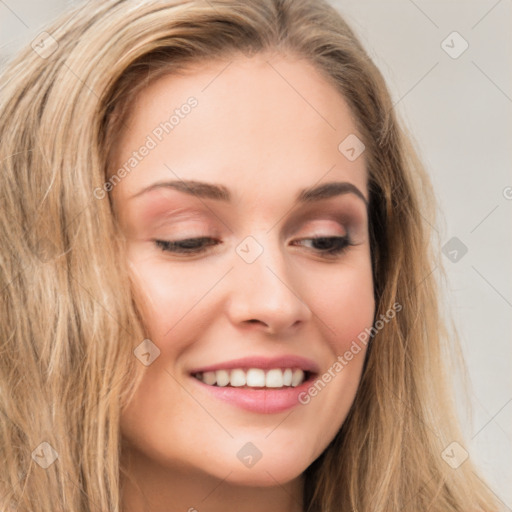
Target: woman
[(216, 271)]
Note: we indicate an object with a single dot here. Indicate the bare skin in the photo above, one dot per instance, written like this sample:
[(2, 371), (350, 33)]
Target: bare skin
[(265, 141)]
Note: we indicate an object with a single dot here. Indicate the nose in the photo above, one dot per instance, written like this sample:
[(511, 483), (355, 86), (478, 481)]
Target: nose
[(264, 293)]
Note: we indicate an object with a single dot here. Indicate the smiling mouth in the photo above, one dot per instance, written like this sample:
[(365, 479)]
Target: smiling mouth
[(255, 378)]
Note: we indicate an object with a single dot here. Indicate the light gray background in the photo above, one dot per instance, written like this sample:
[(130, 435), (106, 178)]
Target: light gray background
[(459, 110)]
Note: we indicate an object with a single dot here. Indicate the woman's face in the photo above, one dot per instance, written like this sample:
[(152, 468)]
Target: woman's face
[(221, 245)]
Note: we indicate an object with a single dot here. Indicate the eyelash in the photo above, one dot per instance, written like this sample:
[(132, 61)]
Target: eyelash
[(184, 246)]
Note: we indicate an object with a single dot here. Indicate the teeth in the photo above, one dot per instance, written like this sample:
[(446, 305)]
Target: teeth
[(209, 378), (256, 378), (274, 379), (253, 377), (297, 377), (237, 378), (222, 378)]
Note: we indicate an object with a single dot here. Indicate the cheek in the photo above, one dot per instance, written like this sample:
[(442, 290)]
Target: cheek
[(344, 302), (170, 292), (345, 308), (340, 297)]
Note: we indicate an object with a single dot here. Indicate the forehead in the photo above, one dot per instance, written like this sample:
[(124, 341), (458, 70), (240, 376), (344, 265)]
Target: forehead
[(261, 125)]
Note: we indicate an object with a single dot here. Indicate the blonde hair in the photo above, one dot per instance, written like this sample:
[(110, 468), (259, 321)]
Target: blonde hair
[(69, 320)]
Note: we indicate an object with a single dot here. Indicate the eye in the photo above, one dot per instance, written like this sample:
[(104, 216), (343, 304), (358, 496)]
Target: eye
[(187, 246), (326, 246), (329, 246)]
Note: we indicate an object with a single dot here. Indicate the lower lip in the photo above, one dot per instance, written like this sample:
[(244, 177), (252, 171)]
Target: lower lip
[(263, 401)]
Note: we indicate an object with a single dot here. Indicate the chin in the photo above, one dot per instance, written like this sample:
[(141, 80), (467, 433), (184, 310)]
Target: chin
[(270, 466), (262, 474)]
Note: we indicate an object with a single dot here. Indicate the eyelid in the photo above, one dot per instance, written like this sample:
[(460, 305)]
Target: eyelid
[(342, 216), (324, 225), (314, 221)]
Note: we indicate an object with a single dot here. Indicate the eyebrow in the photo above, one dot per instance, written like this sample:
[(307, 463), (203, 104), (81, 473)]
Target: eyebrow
[(218, 192)]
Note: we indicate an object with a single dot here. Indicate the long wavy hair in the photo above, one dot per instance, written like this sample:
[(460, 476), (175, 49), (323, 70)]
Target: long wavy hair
[(70, 318)]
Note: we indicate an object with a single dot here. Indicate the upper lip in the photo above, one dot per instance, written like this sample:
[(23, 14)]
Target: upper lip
[(266, 363)]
